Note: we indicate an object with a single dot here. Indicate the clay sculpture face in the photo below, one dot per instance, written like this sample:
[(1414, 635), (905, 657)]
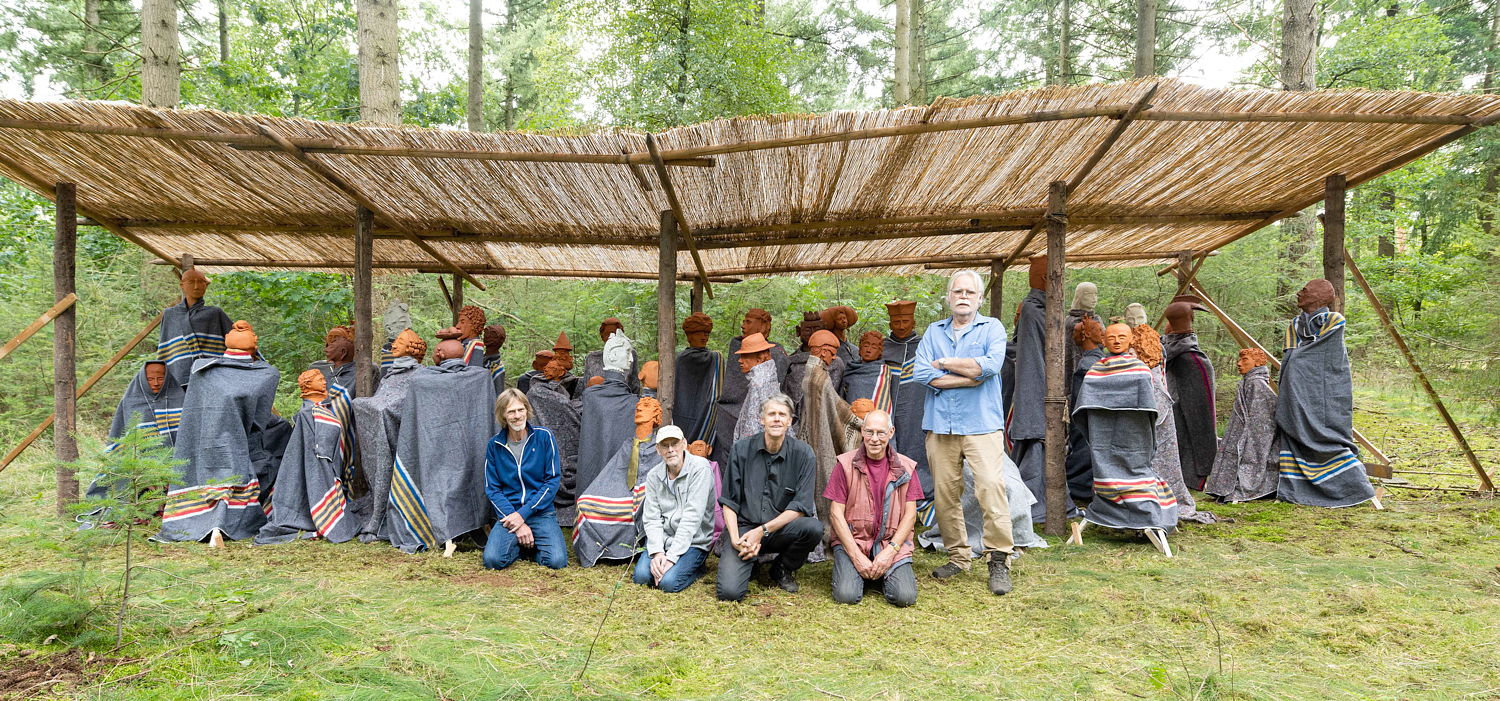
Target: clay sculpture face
[(1117, 338), (903, 320), (647, 417), (1037, 275), (697, 328), (194, 285), (554, 370), (595, 380), (754, 350), (1251, 358), (1086, 296), (871, 346), (156, 376), (1135, 314), (540, 359), (409, 345), (494, 338), (448, 349), (823, 345), (1088, 334), (608, 327), (470, 324), (338, 345), (1315, 295), (757, 321), (650, 375), (313, 385), (617, 353), (700, 449), (562, 351), (838, 320), (1147, 345), (241, 338), (810, 322)]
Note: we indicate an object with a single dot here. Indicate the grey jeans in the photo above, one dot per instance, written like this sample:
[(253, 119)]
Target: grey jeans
[(899, 582)]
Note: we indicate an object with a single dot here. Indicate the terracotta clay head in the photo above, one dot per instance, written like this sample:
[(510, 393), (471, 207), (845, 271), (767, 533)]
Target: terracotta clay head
[(648, 412), (1086, 296), (1251, 358), (540, 359), (1179, 317), (156, 375), (595, 380), (871, 346), (838, 320), (756, 321), (338, 345), (754, 350), (1315, 295), (470, 324), (823, 345), (554, 370), (314, 385), (1147, 345), (409, 345), (700, 449), (608, 327), (1037, 275), (697, 327), (861, 406), (448, 349), (194, 285), (1117, 338), (241, 338), (562, 351), (1135, 314), (1088, 334), (650, 374), (494, 338), (903, 318), (397, 317), (810, 322)]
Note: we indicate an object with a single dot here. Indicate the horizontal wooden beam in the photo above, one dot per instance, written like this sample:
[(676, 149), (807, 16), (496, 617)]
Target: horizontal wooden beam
[(427, 266), (467, 155), (1306, 117), (1072, 258)]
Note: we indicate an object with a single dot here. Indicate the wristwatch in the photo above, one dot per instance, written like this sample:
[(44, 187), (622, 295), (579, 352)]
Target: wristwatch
[(765, 532)]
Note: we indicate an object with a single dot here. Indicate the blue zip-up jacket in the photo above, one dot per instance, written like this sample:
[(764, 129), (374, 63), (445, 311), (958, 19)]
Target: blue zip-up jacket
[(530, 487)]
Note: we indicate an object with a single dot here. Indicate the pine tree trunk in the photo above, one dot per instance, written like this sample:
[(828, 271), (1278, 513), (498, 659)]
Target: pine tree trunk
[(1489, 201), (223, 7), (901, 88), (161, 68), (379, 62), (917, 53), (1299, 44), (682, 59), (1145, 38), (508, 113), (1064, 75), (476, 65), (93, 60)]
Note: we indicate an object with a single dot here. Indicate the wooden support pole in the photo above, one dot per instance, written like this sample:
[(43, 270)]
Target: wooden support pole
[(997, 288), (696, 301), (458, 296), (1485, 483), (82, 390), (1056, 399), (35, 326), (666, 315), (1333, 236), (64, 346), (364, 331), (1186, 270)]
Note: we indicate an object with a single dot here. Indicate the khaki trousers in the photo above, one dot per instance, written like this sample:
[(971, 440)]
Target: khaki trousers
[(945, 458)]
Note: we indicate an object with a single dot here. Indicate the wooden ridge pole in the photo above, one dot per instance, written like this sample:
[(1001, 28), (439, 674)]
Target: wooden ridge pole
[(1382, 463), (683, 227), (37, 325), (1056, 399), (364, 331), (82, 390), (65, 346), (325, 174), (1485, 484), (666, 316)]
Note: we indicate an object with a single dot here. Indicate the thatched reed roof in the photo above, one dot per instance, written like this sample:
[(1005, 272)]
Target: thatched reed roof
[(955, 181)]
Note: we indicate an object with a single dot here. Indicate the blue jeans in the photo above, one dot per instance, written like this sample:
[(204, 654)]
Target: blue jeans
[(679, 576), (549, 549)]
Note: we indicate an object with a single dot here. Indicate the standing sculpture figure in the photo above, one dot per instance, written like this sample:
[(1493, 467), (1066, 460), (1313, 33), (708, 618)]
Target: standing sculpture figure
[(736, 384), (191, 329), (151, 403), (468, 331), (797, 362), (1315, 411), (700, 381), (1085, 301), (1146, 344), (1088, 337), (312, 496), (553, 408), (1245, 468), (608, 506), (604, 413), (837, 321), (868, 377), (1190, 376), (1027, 425), (593, 363), (494, 340), (754, 357), (899, 351), (379, 420), (828, 423)]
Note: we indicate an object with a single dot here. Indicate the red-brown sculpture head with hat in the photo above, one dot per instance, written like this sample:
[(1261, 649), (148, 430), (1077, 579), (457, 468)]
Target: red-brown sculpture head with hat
[(823, 345), (903, 318), (697, 328), (754, 350)]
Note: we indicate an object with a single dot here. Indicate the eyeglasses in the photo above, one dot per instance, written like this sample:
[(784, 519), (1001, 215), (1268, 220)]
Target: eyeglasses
[(961, 292), (875, 432)]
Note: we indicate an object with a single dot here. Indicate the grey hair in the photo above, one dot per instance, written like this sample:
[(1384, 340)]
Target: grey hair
[(778, 398), (978, 281)]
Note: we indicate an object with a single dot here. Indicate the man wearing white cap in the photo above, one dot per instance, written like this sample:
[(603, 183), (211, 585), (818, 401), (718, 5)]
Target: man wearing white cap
[(677, 516)]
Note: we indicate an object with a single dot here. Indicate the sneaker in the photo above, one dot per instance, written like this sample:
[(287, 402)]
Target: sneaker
[(999, 574), (785, 580), (949, 570)]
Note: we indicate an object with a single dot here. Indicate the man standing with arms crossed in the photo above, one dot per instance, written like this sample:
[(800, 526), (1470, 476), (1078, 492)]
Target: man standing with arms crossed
[(959, 360)]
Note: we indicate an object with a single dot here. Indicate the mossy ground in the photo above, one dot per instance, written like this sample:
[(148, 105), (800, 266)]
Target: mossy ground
[(1278, 602)]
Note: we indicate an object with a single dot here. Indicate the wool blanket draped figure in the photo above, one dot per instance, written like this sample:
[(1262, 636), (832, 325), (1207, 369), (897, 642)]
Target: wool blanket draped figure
[(732, 396), (593, 366), (1022, 532), (609, 507), (762, 384), (341, 395), (1315, 417), (1190, 377), (232, 443), (311, 497), (695, 407), (1166, 461), (437, 482), (379, 420), (828, 426), (139, 408), (558, 412), (791, 385), (1026, 424), (189, 333), (606, 420), (874, 381), (495, 363), (908, 398), (1117, 405), (1070, 322), (1246, 466), (1080, 461)]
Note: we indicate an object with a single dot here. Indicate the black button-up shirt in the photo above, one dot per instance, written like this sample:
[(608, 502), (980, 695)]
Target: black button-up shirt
[(759, 485)]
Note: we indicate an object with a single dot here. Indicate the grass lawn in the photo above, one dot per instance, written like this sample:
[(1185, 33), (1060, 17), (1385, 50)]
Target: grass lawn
[(1282, 602)]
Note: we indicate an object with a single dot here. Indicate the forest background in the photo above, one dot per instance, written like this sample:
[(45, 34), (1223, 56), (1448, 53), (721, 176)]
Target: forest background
[(1425, 235)]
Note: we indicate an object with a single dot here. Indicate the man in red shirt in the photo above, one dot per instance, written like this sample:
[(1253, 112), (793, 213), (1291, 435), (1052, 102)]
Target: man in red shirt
[(874, 493)]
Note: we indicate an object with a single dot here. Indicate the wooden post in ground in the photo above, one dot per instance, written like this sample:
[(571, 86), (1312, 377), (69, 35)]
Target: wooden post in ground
[(666, 315), (1485, 483), (1056, 400), (458, 296), (997, 285), (64, 347), (364, 332), (697, 299), (1334, 187)]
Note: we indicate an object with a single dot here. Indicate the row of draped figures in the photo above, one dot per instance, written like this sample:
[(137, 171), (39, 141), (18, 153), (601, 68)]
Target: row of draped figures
[(407, 464)]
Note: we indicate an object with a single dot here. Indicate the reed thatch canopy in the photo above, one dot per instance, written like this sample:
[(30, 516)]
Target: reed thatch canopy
[(1155, 167)]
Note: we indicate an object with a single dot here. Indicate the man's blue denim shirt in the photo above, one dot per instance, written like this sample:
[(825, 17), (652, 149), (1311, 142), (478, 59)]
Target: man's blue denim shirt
[(964, 411)]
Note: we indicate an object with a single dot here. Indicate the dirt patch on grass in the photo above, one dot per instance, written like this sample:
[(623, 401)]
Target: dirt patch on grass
[(26, 674)]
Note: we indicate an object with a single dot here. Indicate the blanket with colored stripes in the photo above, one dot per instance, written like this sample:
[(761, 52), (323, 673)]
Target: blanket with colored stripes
[(909, 399), (609, 507), (695, 406), (189, 333), (1315, 417), (379, 421), (1117, 409), (311, 497)]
